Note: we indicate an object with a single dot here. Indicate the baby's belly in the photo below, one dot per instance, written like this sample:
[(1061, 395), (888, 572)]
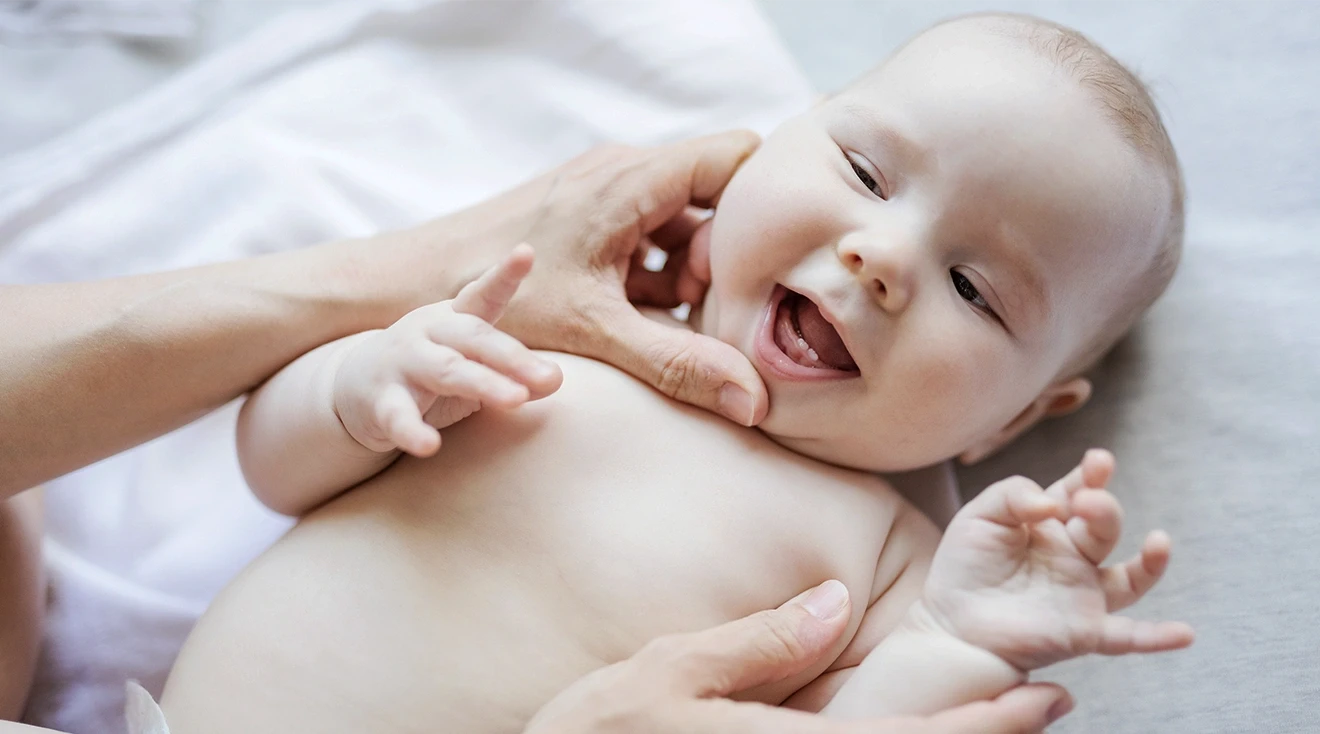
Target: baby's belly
[(462, 592)]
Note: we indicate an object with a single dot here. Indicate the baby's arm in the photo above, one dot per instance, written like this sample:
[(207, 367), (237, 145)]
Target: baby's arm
[(293, 449), (899, 577), (1015, 585), (343, 412)]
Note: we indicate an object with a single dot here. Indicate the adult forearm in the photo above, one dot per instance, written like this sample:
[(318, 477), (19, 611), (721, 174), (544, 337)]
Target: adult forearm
[(90, 369)]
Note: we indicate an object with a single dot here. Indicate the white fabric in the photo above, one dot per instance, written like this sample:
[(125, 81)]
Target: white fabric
[(334, 120), (142, 712), (130, 18)]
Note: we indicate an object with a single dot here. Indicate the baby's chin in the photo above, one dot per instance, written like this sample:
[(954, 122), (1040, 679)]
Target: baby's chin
[(821, 448)]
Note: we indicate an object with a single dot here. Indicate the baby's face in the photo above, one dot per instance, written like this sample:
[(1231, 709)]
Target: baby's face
[(912, 262)]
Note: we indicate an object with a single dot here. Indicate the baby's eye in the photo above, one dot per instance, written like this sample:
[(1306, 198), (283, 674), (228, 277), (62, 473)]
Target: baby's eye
[(866, 178), (968, 292)]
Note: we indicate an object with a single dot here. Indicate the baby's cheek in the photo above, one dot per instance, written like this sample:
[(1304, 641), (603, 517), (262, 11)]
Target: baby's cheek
[(956, 385)]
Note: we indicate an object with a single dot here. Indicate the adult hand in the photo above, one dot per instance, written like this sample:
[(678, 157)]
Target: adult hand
[(678, 684), (591, 221)]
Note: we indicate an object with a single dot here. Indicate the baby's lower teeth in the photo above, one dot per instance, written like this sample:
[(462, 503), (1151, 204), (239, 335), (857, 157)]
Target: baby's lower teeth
[(812, 353)]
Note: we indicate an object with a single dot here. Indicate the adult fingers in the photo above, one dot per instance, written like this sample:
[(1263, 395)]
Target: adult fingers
[(698, 259), (657, 288), (488, 296), (691, 172), (762, 648), (694, 368), (1027, 709), (675, 234)]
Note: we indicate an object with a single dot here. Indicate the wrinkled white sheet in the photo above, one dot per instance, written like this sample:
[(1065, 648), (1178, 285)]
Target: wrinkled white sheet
[(334, 120), (127, 18)]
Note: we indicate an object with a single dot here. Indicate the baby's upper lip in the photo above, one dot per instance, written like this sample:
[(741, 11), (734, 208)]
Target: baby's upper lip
[(831, 314)]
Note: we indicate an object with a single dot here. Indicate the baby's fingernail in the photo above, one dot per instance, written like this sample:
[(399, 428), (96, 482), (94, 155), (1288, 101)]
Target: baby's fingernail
[(826, 601), (736, 404), (1060, 708)]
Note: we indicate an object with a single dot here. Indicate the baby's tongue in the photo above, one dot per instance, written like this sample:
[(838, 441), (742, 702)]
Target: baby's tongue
[(821, 336)]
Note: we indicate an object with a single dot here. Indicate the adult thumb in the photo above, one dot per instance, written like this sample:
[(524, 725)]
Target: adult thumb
[(763, 648), (694, 368)]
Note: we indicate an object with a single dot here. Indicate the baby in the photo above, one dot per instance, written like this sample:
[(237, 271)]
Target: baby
[(920, 267)]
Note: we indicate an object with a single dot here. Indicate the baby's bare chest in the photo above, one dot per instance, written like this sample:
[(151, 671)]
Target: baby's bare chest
[(641, 498)]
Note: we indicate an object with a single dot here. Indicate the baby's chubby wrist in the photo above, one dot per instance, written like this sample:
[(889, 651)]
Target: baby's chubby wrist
[(922, 668), (923, 623)]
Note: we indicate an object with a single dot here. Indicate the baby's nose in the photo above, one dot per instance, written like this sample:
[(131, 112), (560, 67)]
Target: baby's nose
[(883, 270)]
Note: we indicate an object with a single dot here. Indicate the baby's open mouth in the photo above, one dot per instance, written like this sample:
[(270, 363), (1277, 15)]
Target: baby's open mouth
[(801, 331)]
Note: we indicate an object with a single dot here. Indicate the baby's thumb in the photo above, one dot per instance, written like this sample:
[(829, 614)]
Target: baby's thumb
[(488, 296), (694, 368)]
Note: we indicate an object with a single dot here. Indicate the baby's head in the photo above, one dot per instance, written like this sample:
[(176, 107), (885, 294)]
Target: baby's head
[(925, 264)]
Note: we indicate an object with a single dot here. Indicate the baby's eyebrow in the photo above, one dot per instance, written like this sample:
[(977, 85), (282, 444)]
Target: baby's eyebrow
[(913, 156)]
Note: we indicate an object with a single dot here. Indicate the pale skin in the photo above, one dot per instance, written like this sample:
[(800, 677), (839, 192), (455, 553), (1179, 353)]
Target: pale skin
[(922, 645), (96, 367), (480, 582), (201, 336), (1046, 402)]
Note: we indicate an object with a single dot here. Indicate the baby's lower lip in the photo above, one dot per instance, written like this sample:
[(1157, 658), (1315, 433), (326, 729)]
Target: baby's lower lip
[(772, 359)]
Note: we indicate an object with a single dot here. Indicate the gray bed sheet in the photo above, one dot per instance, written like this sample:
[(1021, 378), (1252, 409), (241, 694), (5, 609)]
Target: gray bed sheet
[(1213, 406)]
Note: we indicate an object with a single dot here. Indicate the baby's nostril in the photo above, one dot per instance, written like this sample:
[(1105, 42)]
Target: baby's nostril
[(854, 261)]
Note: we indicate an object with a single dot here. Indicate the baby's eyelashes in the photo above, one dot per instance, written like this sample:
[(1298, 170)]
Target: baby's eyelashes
[(860, 167)]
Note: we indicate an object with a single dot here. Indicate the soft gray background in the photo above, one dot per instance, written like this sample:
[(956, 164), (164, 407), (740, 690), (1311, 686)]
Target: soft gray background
[(1213, 407)]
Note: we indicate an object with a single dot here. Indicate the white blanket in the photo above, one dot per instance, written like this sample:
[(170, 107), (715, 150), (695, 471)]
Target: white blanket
[(335, 120)]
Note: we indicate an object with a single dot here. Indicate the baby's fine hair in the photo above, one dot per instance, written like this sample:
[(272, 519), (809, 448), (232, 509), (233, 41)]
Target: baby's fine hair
[(1133, 111)]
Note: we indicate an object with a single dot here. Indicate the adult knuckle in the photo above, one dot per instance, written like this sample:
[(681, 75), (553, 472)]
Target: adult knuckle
[(776, 642), (678, 370)]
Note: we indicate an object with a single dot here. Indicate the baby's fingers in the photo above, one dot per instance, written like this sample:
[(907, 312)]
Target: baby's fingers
[(1094, 470), (447, 373), (398, 417), (1126, 583), (1121, 635), (1014, 502), (498, 351), (487, 296), (1096, 523)]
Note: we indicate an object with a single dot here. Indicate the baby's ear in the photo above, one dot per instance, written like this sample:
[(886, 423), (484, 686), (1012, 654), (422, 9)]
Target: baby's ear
[(1058, 399)]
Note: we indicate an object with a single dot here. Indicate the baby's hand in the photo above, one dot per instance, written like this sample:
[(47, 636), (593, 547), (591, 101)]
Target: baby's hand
[(439, 364), (1018, 573)]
